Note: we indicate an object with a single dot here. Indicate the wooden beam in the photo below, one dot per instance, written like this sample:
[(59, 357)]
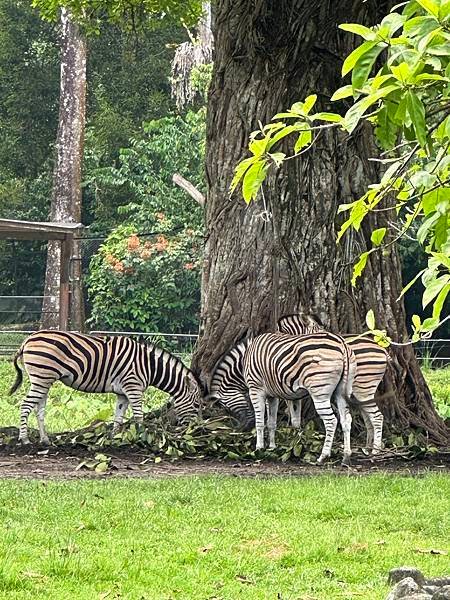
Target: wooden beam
[(188, 187), (64, 297)]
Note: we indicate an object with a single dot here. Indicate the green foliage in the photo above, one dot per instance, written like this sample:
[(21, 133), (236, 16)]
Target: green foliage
[(146, 286), (408, 102), (153, 285), (439, 383), (126, 13), (190, 537)]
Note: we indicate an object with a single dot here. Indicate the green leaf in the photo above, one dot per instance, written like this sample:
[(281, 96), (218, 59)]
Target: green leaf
[(303, 140), (370, 320), (355, 113), (343, 92), (363, 66), (416, 111), (239, 171), (432, 289), (309, 103), (411, 283), (416, 322), (361, 30), (258, 147), (402, 72), (278, 157), (378, 236), (357, 214), (324, 116), (353, 58), (430, 6), (253, 180), (360, 266), (426, 226), (439, 302)]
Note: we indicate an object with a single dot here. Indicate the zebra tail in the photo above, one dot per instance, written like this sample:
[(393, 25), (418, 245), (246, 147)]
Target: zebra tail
[(19, 374), (348, 374)]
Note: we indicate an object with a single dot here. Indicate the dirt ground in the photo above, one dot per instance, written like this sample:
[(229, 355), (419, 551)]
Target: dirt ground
[(64, 463)]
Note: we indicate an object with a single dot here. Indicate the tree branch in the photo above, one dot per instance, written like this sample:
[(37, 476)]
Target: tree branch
[(188, 187)]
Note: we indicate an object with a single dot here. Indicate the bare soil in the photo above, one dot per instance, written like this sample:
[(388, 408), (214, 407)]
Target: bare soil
[(35, 462)]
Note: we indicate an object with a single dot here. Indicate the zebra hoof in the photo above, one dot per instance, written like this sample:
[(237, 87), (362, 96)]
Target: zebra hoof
[(346, 461), (321, 460), (272, 447), (45, 441), (24, 441)]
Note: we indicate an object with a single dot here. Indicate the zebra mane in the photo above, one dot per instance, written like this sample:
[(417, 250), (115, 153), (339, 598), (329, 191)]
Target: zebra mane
[(303, 317), (241, 343), (143, 341)]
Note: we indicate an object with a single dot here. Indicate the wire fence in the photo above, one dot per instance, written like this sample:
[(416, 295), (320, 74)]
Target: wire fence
[(432, 353)]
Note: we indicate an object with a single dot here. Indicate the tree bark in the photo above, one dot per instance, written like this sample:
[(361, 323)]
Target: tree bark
[(66, 197), (279, 255)]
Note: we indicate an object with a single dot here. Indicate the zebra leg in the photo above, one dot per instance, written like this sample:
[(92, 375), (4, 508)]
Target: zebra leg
[(295, 411), (369, 429), (272, 412), (121, 409), (345, 418), (135, 400), (258, 400), (372, 413), (35, 396), (325, 412), (40, 412)]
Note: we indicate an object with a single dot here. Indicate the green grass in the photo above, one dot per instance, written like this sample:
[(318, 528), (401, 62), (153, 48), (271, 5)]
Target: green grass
[(439, 382), (198, 538)]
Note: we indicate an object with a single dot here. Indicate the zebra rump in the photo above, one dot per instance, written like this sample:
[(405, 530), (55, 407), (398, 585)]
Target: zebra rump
[(371, 364)]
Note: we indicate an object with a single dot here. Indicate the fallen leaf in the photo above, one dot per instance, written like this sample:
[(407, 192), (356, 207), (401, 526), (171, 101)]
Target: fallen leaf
[(149, 504), (431, 551), (205, 549), (244, 579)]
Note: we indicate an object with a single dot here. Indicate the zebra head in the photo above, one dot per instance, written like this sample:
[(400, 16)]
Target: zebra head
[(228, 385), (187, 403)]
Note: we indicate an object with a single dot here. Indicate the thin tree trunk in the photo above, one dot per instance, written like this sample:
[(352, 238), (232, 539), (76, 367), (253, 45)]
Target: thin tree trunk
[(267, 56), (66, 197)]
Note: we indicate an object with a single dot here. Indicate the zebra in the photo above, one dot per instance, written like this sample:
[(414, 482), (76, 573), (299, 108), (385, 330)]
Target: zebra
[(277, 365), (371, 364), (115, 364), (228, 385)]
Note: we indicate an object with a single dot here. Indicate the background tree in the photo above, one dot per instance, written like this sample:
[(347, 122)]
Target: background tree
[(266, 57)]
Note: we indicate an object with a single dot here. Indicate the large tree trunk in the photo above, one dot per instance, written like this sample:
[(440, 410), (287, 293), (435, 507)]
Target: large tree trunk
[(267, 56), (66, 198)]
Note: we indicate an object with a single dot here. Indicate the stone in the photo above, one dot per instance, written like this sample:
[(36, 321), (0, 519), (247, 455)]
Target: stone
[(396, 575), (442, 594), (404, 589)]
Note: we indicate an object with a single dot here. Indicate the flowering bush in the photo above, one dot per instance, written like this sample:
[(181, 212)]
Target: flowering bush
[(148, 285)]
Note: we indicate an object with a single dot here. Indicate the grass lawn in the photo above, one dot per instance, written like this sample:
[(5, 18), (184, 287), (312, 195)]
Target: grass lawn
[(199, 538)]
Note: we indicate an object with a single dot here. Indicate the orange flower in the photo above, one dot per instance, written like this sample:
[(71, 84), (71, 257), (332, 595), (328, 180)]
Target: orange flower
[(189, 266), (133, 243), (148, 245), (161, 243), (110, 259), (146, 253), (119, 267)]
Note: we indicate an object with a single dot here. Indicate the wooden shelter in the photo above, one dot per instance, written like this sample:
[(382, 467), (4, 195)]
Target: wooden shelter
[(65, 233)]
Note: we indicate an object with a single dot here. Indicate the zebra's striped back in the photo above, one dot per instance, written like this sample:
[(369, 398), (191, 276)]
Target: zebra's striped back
[(228, 385), (371, 359), (284, 364), (116, 364)]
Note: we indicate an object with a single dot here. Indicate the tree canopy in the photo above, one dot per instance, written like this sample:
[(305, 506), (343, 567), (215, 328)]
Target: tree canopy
[(400, 84)]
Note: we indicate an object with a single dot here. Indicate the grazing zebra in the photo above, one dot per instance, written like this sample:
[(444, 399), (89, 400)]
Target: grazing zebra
[(229, 387), (94, 364), (288, 364), (277, 365), (371, 363)]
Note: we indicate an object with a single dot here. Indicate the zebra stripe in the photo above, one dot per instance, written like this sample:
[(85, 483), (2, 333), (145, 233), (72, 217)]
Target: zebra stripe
[(277, 365), (119, 365), (371, 364), (228, 385)]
